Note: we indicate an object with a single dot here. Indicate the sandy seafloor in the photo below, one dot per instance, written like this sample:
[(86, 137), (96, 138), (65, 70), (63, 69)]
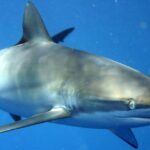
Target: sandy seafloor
[(118, 29)]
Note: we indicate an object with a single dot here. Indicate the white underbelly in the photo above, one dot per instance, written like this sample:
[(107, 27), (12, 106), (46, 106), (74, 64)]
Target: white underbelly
[(27, 101), (109, 120), (94, 120)]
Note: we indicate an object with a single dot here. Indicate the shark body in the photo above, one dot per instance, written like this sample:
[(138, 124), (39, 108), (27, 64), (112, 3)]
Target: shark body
[(43, 81)]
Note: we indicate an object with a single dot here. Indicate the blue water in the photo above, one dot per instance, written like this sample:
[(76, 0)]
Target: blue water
[(118, 29)]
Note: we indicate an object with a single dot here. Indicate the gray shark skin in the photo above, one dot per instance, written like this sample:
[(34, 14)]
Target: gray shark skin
[(46, 82)]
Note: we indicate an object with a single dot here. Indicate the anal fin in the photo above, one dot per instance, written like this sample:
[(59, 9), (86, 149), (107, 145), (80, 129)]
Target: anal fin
[(53, 114), (126, 135)]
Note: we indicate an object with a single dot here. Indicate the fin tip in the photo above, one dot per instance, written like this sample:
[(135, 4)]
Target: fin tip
[(29, 4)]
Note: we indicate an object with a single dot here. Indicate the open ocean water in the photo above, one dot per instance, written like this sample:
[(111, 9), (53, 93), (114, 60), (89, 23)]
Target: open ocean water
[(118, 29)]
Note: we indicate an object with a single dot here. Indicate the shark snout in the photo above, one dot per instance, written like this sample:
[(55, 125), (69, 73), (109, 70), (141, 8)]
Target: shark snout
[(144, 100)]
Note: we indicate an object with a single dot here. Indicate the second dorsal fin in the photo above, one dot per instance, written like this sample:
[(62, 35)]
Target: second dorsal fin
[(33, 25)]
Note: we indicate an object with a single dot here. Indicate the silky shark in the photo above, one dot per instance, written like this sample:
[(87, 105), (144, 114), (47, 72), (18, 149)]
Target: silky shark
[(43, 81)]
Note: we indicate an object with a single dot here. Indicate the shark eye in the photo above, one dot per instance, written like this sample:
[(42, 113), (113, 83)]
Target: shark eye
[(131, 103)]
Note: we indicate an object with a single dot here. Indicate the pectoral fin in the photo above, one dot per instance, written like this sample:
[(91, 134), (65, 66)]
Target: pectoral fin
[(126, 135), (53, 114), (59, 37)]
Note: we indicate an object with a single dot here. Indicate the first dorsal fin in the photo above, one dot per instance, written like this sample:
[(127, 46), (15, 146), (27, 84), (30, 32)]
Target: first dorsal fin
[(33, 25)]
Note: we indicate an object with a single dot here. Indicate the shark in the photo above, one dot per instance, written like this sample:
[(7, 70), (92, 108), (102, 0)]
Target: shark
[(43, 81)]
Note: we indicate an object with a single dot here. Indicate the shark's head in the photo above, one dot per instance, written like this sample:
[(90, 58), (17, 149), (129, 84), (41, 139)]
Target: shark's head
[(111, 81), (141, 92), (132, 87)]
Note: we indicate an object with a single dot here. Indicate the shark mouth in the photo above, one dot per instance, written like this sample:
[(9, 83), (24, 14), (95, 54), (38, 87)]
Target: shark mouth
[(134, 118)]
